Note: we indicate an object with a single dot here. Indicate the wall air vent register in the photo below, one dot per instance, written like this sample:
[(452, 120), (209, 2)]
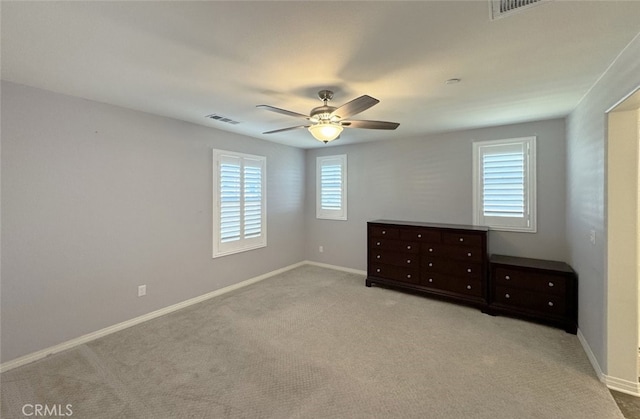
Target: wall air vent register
[(221, 118), (502, 8)]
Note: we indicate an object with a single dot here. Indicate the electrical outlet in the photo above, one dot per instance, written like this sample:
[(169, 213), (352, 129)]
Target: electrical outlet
[(321, 249), (142, 290), (592, 236)]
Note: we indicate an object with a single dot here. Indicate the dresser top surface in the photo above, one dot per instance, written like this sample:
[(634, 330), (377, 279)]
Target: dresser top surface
[(549, 265), (433, 225)]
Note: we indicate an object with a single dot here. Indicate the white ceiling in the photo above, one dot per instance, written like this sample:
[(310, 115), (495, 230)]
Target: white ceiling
[(186, 60)]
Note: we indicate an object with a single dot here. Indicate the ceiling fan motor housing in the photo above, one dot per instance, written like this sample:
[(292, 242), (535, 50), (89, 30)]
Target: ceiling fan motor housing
[(323, 114)]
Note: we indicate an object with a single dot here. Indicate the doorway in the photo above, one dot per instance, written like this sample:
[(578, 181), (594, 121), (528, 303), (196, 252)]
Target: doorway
[(623, 245)]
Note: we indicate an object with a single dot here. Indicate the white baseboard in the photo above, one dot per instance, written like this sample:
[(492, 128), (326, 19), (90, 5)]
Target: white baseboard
[(591, 356), (336, 267), (26, 359), (613, 383), (623, 386)]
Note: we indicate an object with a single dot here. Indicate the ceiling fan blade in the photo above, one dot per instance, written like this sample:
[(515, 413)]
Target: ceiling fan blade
[(286, 129), (355, 106), (370, 124), (282, 111)]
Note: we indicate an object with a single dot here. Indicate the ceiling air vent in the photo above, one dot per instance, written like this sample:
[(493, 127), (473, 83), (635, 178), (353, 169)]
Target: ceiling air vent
[(501, 8), (221, 118)]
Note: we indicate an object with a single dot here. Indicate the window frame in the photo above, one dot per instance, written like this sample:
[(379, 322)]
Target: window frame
[(243, 244), (528, 223), (325, 213)]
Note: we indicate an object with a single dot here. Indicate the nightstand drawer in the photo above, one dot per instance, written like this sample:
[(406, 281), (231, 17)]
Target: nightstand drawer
[(529, 300), (528, 280)]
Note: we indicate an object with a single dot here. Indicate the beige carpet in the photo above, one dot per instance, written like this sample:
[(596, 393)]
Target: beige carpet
[(316, 343)]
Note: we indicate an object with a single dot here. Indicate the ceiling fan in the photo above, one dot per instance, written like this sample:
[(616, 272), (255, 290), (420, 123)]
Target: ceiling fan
[(327, 122)]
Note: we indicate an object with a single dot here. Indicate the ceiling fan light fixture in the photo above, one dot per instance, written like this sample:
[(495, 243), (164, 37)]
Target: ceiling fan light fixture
[(325, 132), (326, 122)]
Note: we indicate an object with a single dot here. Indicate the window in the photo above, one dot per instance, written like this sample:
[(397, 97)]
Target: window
[(239, 197), (504, 187), (331, 187)]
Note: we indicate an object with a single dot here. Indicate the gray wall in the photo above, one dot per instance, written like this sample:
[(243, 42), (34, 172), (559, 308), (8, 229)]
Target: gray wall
[(98, 199), (430, 179), (586, 210)]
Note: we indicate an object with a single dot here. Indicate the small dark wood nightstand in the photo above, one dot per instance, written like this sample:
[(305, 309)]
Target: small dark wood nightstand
[(538, 290)]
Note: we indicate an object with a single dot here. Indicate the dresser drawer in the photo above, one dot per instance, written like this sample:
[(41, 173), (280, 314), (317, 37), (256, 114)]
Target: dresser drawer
[(462, 239), (439, 281), (408, 260), (393, 245), (462, 253), (421, 235), (530, 280), (530, 300), (384, 231), (410, 275), (452, 267)]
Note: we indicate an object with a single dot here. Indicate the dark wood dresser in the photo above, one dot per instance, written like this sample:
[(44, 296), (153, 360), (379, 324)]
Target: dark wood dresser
[(442, 260), (538, 290)]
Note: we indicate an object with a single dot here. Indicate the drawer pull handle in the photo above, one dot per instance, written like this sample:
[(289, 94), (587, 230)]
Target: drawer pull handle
[(431, 249), (408, 247), (384, 231), (378, 270), (469, 254), (550, 303), (469, 270), (408, 260), (551, 284), (468, 287), (507, 277), (377, 243), (507, 296), (409, 276), (430, 263), (430, 279), (461, 239), (419, 236), (378, 257)]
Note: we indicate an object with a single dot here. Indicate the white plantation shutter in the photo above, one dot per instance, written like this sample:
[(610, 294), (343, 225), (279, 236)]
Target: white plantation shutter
[(252, 198), (230, 197), (331, 185), (239, 202), (503, 182), (504, 187)]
